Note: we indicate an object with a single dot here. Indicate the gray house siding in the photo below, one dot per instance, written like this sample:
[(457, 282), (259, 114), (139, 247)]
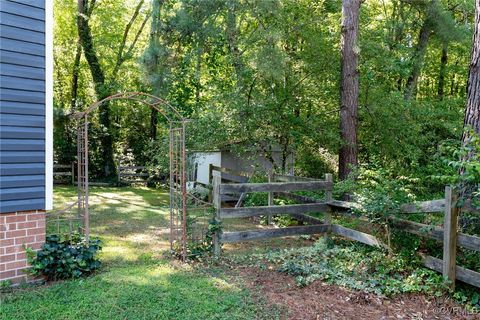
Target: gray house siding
[(22, 105)]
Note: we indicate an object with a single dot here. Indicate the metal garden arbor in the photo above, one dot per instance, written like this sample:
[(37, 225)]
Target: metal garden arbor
[(177, 155)]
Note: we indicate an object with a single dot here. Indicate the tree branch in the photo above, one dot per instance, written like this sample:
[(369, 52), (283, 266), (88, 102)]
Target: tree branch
[(137, 36), (120, 56)]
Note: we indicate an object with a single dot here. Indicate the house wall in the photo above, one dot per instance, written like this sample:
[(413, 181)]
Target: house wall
[(19, 230), (23, 107), (26, 157)]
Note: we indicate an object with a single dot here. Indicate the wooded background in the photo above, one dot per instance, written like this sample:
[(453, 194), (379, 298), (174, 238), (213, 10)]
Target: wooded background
[(259, 73)]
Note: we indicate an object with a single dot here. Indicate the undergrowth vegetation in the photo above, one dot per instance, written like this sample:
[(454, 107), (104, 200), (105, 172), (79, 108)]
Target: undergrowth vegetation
[(359, 267), (356, 267)]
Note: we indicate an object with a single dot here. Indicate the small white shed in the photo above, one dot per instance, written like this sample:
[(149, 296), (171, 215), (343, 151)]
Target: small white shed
[(199, 162)]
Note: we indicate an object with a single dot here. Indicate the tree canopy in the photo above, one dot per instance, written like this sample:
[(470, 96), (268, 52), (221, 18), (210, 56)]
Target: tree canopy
[(263, 73)]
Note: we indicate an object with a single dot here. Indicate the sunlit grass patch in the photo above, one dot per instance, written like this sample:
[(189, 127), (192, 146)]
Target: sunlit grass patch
[(135, 281), (149, 291)]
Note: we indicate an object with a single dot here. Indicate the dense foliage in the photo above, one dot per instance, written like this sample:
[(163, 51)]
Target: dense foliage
[(66, 256), (268, 71), (257, 74)]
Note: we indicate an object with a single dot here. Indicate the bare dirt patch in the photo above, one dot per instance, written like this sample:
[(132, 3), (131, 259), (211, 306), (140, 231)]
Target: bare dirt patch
[(323, 301)]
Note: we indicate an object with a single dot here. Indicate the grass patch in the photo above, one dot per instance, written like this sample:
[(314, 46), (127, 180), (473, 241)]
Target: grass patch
[(136, 281), (147, 291)]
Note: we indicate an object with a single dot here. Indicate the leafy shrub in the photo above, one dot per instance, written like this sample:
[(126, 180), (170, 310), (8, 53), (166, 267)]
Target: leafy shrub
[(464, 159), (379, 192), (5, 286), (66, 256)]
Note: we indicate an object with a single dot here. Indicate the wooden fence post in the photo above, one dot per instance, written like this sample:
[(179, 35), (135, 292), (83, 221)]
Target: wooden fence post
[(210, 173), (271, 178), (73, 173), (217, 204), (328, 198), (119, 174), (450, 226), (210, 180)]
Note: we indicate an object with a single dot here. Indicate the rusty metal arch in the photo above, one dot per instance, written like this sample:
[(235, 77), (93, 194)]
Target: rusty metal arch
[(177, 155), (145, 98)]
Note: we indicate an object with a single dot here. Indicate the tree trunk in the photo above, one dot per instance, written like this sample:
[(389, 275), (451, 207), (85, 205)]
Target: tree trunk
[(417, 60), (348, 157), (75, 72), (441, 75), (153, 123), (472, 110), (156, 64), (231, 36), (121, 56), (101, 90)]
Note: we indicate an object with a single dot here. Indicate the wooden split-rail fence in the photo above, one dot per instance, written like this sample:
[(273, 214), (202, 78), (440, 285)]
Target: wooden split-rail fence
[(221, 189), (64, 173), (132, 175), (282, 186), (228, 175), (448, 235)]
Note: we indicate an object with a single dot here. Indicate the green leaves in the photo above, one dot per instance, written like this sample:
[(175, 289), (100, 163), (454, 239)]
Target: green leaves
[(356, 267), (464, 162), (65, 256)]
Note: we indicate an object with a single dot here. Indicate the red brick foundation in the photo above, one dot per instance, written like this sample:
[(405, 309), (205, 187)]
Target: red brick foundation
[(17, 231)]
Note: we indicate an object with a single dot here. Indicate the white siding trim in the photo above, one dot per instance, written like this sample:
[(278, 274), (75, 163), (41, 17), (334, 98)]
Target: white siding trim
[(48, 104)]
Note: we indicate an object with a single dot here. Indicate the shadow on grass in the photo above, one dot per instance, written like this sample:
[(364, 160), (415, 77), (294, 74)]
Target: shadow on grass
[(149, 291), (123, 212)]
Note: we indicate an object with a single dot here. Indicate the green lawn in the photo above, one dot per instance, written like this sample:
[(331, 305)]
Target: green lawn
[(137, 281)]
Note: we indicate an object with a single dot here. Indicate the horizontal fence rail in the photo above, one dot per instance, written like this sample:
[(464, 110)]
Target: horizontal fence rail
[(357, 236), (229, 237), (220, 190), (64, 173), (465, 275), (133, 174), (424, 206), (245, 212), (428, 231), (275, 187), (433, 232)]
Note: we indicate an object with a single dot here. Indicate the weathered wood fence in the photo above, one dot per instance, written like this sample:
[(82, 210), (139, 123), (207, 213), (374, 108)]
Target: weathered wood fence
[(228, 175), (448, 235), (132, 174), (220, 189), (64, 173), (282, 186)]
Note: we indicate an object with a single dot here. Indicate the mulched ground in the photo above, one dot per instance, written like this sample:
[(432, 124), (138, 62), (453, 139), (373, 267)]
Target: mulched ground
[(323, 301)]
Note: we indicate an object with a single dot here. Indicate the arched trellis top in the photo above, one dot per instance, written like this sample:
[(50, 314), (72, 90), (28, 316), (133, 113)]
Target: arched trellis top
[(159, 104), (177, 155)]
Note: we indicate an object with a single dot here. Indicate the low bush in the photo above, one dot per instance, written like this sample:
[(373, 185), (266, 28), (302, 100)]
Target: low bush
[(65, 256)]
